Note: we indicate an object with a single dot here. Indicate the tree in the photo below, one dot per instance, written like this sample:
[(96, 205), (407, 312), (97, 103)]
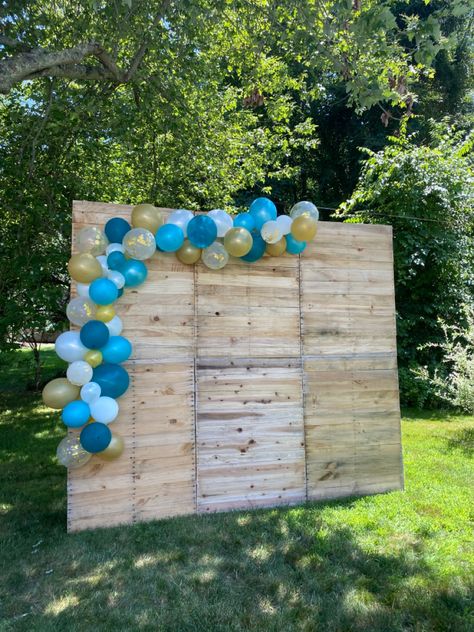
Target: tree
[(426, 193)]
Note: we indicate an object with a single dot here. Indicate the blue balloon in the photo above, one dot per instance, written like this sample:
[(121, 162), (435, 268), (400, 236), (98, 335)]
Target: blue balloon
[(117, 350), (103, 291), (112, 379), (95, 437), (202, 231), (76, 414), (120, 292), (134, 271), (245, 220), (293, 246), (262, 210), (115, 260), (116, 229), (94, 334), (169, 238), (256, 251)]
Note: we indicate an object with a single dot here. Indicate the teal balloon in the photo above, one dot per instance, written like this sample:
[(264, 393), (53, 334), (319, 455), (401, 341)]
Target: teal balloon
[(245, 220), (134, 271), (95, 437), (94, 334), (116, 229), (115, 260), (293, 246), (76, 414), (256, 251), (103, 291), (262, 210), (118, 349), (169, 238), (112, 379), (202, 231)]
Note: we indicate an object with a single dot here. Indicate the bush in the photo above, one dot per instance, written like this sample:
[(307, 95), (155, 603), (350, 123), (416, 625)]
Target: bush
[(426, 193)]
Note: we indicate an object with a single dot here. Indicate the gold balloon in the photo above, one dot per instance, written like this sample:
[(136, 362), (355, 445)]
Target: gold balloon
[(84, 268), (59, 392), (113, 450), (304, 228), (146, 216), (276, 250), (188, 253), (105, 313), (93, 357), (238, 241)]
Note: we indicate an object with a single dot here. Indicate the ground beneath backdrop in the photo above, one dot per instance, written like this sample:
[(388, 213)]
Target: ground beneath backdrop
[(401, 561)]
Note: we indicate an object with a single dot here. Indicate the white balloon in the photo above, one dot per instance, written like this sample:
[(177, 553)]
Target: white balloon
[(104, 410), (90, 392), (83, 289), (115, 326), (102, 259), (80, 310), (69, 347), (117, 278), (223, 220), (307, 209), (114, 248), (284, 224), (271, 232), (79, 372), (181, 217)]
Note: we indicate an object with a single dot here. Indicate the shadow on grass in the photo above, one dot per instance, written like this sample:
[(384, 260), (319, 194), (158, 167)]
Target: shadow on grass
[(265, 570), (463, 440)]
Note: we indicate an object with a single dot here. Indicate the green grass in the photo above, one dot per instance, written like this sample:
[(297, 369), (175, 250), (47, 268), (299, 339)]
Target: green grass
[(400, 561)]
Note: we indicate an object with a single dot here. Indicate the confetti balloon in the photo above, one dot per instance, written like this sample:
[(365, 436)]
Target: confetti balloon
[(146, 216), (304, 228), (202, 231), (71, 454), (92, 240), (181, 217), (139, 243), (223, 220), (307, 209), (238, 241), (188, 253), (84, 267), (79, 372), (215, 256), (284, 224), (59, 392), (271, 232), (276, 249), (79, 310), (114, 449)]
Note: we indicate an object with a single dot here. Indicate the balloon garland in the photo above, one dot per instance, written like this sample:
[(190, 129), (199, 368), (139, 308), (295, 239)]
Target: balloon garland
[(113, 259)]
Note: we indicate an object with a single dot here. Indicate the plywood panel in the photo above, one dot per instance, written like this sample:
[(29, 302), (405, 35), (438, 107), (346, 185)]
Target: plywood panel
[(352, 418), (257, 385)]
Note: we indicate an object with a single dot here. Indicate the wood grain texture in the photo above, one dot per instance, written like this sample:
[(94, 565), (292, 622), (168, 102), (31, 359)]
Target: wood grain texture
[(257, 385)]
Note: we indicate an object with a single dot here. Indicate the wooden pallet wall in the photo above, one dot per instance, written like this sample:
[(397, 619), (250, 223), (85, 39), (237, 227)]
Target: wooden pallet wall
[(256, 385)]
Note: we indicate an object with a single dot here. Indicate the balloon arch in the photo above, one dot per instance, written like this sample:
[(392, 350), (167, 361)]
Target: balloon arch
[(110, 260)]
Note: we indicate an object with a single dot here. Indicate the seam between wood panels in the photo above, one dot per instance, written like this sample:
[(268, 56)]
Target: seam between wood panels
[(195, 386), (303, 381), (133, 454)]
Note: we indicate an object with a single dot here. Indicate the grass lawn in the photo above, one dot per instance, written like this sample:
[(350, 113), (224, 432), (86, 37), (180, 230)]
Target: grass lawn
[(400, 561)]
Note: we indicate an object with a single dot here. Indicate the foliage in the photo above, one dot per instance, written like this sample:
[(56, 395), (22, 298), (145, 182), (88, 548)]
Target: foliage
[(455, 384), (395, 562), (426, 193)]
